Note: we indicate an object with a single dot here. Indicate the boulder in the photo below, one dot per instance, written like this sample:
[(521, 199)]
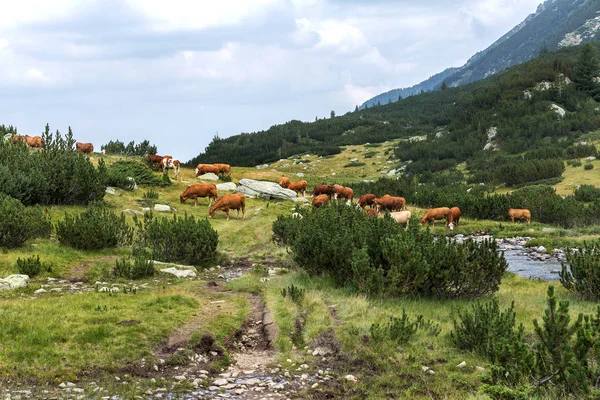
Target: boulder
[(133, 212), (246, 191), (14, 281), (161, 207), (226, 186), (209, 177), (300, 174), (110, 190), (270, 190), (558, 110), (179, 273)]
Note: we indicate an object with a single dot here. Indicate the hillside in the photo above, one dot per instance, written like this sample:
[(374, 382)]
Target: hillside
[(555, 24)]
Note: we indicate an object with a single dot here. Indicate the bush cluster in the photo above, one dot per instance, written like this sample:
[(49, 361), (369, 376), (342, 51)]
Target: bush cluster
[(95, 228), (375, 256), (118, 174), (55, 175), (181, 239), (132, 149), (402, 329), (588, 166), (587, 193), (581, 273), (19, 223), (32, 266), (141, 267)]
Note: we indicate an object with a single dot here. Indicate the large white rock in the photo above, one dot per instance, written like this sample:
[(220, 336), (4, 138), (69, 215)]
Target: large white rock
[(179, 273), (110, 190), (130, 211), (14, 282), (558, 110), (226, 186), (246, 191), (209, 177), (267, 189), (161, 207)]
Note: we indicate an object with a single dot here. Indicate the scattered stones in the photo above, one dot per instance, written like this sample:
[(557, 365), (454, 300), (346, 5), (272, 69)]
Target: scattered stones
[(462, 365), (220, 382), (179, 273), (162, 207)]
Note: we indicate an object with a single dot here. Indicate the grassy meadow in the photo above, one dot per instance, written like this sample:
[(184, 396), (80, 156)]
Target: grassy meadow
[(59, 336)]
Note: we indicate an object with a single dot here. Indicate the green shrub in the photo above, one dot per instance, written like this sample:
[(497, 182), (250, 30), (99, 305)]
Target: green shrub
[(95, 228), (150, 195), (295, 293), (285, 229), (581, 273), (354, 164), (132, 149), (224, 177), (375, 256), (587, 193), (401, 329), (574, 163), (588, 166), (141, 267), (122, 170), (19, 223), (32, 266), (181, 239)]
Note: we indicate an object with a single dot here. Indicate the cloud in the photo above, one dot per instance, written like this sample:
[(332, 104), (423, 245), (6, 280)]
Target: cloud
[(359, 94)]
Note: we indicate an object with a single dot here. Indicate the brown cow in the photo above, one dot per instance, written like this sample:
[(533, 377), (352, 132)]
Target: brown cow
[(453, 217), (434, 214), (223, 168), (298, 187), (173, 164), (85, 148), (519, 214), (366, 200), (200, 190), (343, 192), (372, 212), (202, 169), (284, 182), (329, 190), (34, 141), (391, 203), (228, 202), (153, 159), (17, 138), (319, 200)]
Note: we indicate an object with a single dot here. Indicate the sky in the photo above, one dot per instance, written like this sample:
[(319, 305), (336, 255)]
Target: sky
[(178, 72)]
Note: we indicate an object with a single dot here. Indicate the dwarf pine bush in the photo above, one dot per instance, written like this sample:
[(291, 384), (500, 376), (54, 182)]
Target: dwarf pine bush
[(181, 239), (581, 273), (376, 256), (141, 267), (32, 266), (19, 223), (95, 228)]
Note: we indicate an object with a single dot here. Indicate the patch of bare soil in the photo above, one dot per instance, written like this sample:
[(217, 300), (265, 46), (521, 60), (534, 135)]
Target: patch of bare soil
[(77, 271)]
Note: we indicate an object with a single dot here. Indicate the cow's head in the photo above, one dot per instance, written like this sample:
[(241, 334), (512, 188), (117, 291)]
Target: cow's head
[(182, 199), (451, 225)]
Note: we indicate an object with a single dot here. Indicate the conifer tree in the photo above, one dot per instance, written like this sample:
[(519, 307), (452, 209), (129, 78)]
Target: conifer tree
[(586, 71)]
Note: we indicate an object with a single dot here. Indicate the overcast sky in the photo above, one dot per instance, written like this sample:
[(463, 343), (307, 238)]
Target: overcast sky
[(178, 71)]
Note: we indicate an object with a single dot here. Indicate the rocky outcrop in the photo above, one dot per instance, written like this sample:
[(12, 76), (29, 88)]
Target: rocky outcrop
[(226, 186), (209, 177), (265, 189), (14, 282)]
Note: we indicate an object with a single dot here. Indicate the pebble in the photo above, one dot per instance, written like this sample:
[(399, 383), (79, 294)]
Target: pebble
[(351, 378), (220, 382), (462, 365)]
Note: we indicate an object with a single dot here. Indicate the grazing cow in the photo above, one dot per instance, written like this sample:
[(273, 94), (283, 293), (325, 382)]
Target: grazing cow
[(391, 203), (319, 200), (16, 139), (343, 192), (372, 212), (519, 214), (329, 190), (154, 159), (434, 214), (284, 182), (298, 187), (85, 148), (402, 217), (453, 217), (200, 190), (223, 168), (202, 169), (175, 165), (366, 200), (229, 202), (34, 141)]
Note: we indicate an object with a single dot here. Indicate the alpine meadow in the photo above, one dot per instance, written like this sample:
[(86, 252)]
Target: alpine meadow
[(440, 241)]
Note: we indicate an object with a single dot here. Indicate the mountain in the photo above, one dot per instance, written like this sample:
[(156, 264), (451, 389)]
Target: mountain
[(555, 24)]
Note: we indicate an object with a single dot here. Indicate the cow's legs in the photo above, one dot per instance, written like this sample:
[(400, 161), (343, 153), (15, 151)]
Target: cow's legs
[(227, 212)]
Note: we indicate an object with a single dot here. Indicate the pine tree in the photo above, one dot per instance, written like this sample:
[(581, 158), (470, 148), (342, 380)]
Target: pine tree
[(356, 108), (444, 86), (332, 114), (586, 71)]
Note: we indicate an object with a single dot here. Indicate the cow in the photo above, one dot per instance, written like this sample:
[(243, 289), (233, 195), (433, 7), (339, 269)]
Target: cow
[(401, 217), (34, 141), (391, 203), (175, 165), (202, 169), (153, 159), (164, 163), (329, 190), (343, 192), (16, 139), (200, 190), (298, 187), (284, 182), (223, 169), (519, 214), (434, 214), (85, 148), (319, 200), (372, 212), (366, 200), (229, 202), (453, 217)]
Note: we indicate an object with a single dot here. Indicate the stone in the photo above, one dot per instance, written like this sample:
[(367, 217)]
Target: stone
[(541, 249), (132, 180), (162, 207), (179, 273), (558, 110), (268, 189), (462, 365), (110, 190), (226, 186), (351, 378), (133, 212), (40, 291), (220, 382), (246, 191), (480, 369), (209, 177), (300, 174), (14, 282)]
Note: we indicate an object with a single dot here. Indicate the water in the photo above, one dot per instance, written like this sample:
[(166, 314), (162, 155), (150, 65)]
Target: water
[(521, 264)]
